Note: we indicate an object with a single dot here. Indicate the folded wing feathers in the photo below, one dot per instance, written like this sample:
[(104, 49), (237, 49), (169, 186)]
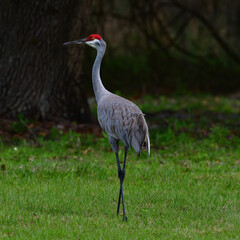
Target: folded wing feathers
[(123, 120), (139, 134)]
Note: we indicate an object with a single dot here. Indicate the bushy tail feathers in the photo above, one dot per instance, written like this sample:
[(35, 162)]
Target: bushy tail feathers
[(148, 144), (140, 137)]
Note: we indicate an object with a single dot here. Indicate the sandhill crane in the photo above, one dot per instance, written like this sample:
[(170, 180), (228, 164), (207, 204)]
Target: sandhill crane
[(119, 118)]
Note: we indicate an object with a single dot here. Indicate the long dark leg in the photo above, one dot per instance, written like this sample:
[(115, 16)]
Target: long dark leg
[(121, 175), (124, 164), (121, 172), (119, 200), (115, 148)]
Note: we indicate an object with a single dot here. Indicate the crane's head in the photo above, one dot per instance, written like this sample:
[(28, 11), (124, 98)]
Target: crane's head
[(94, 40)]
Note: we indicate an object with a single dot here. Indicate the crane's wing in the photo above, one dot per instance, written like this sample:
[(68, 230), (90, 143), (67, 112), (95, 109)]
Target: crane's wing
[(123, 120)]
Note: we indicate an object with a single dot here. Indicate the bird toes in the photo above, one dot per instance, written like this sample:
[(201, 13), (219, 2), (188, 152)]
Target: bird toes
[(124, 218)]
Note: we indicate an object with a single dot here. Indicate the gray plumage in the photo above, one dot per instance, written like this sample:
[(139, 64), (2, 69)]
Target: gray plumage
[(120, 118), (123, 120)]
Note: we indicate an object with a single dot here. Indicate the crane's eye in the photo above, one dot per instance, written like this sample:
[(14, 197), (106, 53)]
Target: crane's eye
[(97, 43)]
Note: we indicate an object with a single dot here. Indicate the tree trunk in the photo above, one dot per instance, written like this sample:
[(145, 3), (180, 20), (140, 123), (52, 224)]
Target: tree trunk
[(39, 76)]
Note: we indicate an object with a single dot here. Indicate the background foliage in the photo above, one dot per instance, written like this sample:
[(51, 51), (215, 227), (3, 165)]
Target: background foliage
[(170, 46)]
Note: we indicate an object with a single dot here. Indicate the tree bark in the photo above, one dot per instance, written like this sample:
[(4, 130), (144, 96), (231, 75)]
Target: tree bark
[(39, 76)]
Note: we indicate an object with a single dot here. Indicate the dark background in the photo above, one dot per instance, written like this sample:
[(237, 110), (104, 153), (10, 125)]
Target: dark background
[(157, 47)]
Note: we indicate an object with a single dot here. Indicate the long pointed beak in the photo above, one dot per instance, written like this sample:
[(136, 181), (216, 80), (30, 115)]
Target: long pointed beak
[(80, 41)]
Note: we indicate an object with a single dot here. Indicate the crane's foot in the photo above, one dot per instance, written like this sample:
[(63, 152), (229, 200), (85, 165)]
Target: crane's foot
[(124, 218)]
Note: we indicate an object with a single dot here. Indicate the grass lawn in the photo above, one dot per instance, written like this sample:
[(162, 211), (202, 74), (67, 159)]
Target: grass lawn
[(67, 188)]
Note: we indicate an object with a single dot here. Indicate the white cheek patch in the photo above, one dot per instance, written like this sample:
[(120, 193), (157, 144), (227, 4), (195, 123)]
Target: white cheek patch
[(93, 43)]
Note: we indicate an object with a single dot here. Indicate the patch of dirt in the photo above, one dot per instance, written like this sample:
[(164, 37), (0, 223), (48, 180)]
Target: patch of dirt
[(21, 129)]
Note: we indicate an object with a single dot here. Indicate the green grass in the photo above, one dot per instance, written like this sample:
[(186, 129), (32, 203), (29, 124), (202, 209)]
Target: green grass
[(190, 103), (68, 187)]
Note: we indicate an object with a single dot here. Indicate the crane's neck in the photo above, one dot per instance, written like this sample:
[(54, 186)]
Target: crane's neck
[(99, 89)]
